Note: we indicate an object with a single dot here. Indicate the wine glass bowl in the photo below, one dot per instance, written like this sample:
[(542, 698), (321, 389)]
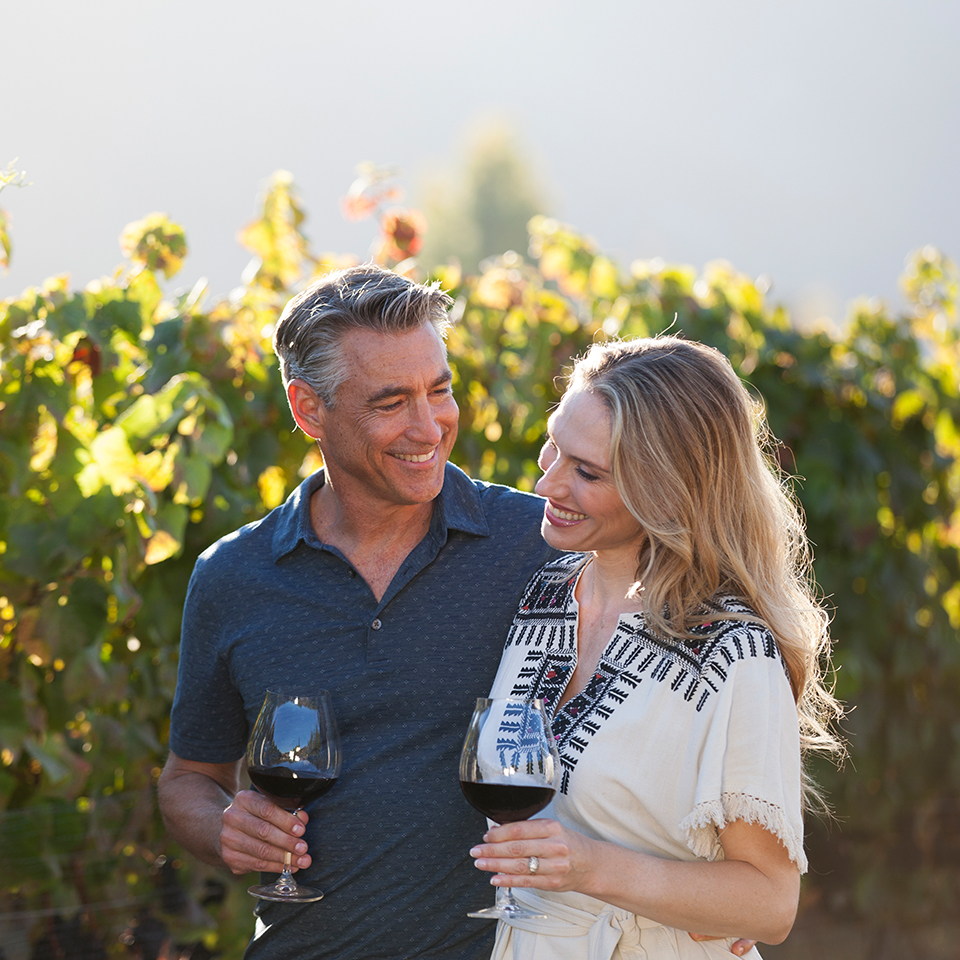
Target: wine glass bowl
[(293, 758), (509, 769)]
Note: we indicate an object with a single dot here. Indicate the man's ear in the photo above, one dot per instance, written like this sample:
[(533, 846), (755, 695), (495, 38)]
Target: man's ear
[(307, 408)]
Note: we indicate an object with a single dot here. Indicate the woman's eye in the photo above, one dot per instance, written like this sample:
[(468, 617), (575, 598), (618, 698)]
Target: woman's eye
[(589, 477)]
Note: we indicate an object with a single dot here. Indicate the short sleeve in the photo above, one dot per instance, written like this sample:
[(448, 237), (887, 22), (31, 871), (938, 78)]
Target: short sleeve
[(750, 766), (208, 723)]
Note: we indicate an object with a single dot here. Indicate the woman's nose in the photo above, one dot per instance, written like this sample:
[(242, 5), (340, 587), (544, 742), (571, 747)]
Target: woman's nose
[(548, 484)]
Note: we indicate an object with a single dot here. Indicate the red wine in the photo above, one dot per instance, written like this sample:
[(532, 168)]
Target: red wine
[(506, 802), (290, 789)]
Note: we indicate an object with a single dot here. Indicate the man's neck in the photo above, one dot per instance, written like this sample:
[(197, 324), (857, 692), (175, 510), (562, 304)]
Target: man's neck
[(375, 537)]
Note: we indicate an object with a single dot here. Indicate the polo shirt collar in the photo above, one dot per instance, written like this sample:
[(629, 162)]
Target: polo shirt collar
[(457, 507)]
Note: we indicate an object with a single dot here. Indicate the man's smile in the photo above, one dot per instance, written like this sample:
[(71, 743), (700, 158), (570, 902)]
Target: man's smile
[(416, 457)]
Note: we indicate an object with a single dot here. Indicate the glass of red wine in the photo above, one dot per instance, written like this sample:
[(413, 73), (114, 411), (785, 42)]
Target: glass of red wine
[(508, 771), (293, 758)]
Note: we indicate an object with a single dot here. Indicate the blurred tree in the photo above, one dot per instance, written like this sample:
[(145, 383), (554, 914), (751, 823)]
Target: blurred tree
[(484, 210)]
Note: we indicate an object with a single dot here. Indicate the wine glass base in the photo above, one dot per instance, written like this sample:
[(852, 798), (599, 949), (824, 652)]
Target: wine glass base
[(507, 912), (278, 894)]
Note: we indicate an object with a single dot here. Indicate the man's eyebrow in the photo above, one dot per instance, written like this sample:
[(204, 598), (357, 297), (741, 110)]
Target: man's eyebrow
[(396, 390)]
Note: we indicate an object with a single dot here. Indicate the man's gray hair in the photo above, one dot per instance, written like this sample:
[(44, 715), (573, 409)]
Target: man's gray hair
[(311, 330)]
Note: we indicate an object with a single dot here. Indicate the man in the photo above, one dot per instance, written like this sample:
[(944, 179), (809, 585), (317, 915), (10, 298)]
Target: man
[(389, 578)]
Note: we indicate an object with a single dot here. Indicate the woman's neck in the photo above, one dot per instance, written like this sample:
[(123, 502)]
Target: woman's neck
[(607, 583)]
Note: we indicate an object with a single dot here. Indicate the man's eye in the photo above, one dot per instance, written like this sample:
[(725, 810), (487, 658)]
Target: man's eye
[(390, 406)]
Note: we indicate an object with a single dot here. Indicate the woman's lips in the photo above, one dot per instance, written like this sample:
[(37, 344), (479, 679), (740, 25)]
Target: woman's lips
[(563, 518)]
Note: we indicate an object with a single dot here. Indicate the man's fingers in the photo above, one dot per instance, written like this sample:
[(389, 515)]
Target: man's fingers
[(256, 834), (259, 806), (740, 949)]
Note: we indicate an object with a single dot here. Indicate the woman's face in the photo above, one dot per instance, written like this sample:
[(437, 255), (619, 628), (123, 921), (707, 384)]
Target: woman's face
[(584, 511)]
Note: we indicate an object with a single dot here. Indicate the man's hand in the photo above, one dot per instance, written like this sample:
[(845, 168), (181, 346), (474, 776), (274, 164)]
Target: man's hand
[(206, 812), (256, 834)]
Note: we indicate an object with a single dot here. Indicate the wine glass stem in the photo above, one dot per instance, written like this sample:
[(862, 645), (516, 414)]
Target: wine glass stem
[(505, 895), (285, 882)]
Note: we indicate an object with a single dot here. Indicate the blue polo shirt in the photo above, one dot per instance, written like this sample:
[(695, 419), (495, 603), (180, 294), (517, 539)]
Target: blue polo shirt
[(272, 606)]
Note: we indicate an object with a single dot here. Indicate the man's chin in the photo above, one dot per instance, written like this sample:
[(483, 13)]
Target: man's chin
[(424, 490)]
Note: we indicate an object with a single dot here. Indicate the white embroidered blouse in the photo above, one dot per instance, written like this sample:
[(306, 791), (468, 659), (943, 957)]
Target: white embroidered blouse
[(668, 741)]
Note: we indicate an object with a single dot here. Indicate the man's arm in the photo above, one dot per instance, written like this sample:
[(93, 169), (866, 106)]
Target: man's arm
[(207, 813)]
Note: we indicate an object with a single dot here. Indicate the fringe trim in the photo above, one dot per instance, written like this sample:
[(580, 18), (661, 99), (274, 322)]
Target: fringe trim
[(702, 824)]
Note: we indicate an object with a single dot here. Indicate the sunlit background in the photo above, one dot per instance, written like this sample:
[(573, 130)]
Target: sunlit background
[(812, 145), (815, 144)]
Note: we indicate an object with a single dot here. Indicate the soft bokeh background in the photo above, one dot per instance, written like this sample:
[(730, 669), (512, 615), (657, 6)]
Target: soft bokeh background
[(813, 146), (814, 143)]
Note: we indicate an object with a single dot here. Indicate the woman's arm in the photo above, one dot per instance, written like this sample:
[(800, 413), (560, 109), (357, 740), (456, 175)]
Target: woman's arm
[(752, 893)]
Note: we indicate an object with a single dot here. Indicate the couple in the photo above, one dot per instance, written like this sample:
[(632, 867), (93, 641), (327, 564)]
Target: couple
[(666, 618)]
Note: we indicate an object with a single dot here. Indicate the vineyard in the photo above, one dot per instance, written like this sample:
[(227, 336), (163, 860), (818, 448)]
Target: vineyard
[(138, 426)]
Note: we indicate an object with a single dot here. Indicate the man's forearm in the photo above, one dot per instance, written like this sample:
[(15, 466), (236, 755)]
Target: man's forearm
[(192, 807)]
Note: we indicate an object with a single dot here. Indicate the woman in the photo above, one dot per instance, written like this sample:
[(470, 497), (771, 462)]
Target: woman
[(678, 645)]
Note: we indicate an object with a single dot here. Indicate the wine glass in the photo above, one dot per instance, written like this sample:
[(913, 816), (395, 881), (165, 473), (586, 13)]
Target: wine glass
[(293, 757), (508, 771)]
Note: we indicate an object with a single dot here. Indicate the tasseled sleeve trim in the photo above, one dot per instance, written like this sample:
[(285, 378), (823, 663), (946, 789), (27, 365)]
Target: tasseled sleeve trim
[(701, 826)]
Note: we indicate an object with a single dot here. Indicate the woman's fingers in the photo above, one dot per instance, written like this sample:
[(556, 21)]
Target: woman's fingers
[(535, 829), (524, 863), (562, 857)]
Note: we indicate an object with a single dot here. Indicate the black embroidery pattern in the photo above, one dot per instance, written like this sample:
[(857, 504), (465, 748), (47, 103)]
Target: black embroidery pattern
[(519, 736), (546, 625)]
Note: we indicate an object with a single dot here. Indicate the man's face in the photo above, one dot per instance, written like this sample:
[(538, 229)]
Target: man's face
[(389, 436)]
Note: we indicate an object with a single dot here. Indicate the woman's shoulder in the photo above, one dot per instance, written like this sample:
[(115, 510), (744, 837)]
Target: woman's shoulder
[(738, 633), (558, 575)]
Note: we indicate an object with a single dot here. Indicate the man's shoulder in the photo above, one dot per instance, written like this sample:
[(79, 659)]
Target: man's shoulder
[(258, 537), (242, 549)]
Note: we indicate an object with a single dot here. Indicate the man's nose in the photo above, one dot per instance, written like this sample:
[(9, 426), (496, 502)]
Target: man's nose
[(423, 425)]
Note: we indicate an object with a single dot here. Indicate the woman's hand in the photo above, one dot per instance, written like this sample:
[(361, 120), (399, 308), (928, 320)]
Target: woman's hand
[(564, 861), (563, 857)]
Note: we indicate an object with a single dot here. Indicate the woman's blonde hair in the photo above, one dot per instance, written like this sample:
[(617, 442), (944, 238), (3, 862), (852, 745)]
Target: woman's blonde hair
[(692, 460)]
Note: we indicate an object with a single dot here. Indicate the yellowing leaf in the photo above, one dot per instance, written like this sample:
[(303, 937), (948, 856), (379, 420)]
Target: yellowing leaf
[(156, 467), (161, 546), (5, 246), (155, 243), (44, 443), (603, 279), (908, 404), (115, 460), (89, 480), (272, 485)]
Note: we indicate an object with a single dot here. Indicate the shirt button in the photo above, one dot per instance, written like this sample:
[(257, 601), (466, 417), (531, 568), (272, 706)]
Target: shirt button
[(376, 625)]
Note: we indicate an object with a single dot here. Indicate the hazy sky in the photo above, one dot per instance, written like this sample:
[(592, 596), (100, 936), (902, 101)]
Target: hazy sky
[(816, 142)]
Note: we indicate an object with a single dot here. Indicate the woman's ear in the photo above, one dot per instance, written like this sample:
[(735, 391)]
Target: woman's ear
[(307, 408)]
